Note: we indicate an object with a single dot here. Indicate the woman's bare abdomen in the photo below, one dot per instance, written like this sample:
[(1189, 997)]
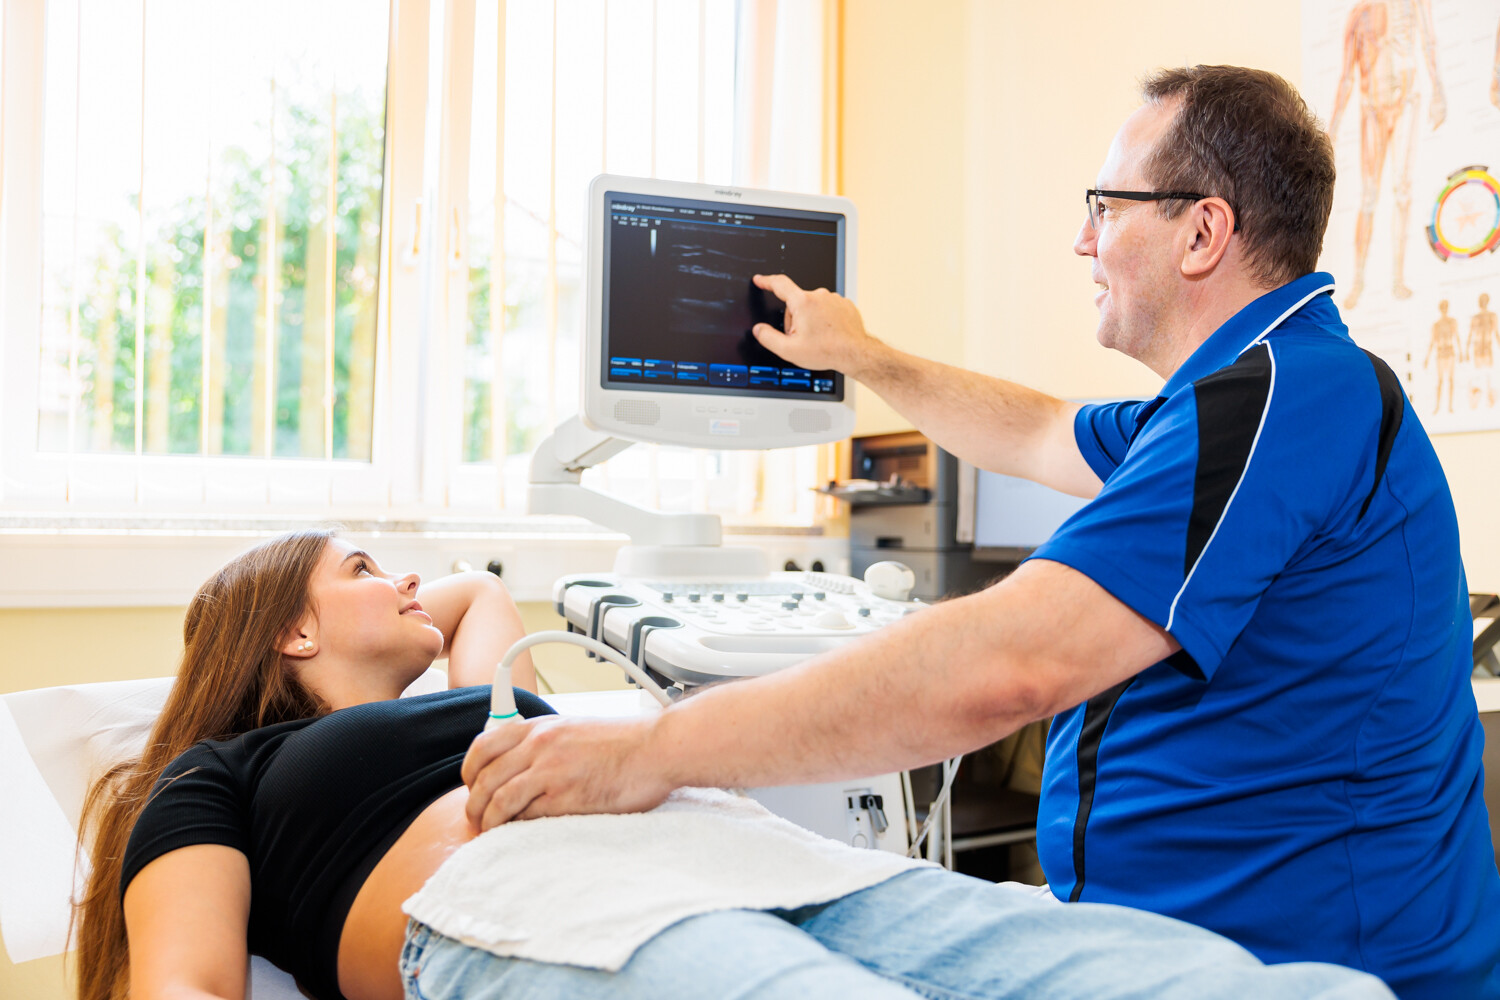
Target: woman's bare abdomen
[(370, 943)]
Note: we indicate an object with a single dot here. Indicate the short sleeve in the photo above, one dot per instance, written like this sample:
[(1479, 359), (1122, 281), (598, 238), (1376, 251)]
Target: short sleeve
[(1213, 499), (197, 800), (1104, 431)]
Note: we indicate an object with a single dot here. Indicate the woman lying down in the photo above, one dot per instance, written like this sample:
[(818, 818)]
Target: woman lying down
[(289, 805)]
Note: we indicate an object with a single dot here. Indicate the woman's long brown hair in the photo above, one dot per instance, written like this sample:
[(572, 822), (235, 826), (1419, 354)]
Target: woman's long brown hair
[(232, 679)]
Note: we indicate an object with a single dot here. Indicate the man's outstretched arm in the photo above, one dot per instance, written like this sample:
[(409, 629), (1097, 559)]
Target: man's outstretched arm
[(947, 680), (988, 422)]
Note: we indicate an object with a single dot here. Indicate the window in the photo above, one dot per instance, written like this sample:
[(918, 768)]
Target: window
[(292, 254)]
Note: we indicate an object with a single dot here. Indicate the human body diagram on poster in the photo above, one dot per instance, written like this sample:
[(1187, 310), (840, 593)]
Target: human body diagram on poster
[(1411, 93)]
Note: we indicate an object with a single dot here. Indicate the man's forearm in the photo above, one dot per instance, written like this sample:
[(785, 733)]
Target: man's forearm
[(988, 422), (947, 680), (914, 695)]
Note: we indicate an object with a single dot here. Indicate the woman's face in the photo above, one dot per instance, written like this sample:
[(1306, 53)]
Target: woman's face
[(368, 618)]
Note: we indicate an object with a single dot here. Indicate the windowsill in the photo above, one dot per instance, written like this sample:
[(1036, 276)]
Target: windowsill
[(500, 525), (117, 560)]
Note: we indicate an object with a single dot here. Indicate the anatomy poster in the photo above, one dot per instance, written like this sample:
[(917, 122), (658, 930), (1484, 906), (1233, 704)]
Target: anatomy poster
[(1410, 90)]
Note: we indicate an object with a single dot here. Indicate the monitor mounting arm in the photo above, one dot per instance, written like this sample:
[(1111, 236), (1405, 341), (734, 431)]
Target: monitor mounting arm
[(661, 544)]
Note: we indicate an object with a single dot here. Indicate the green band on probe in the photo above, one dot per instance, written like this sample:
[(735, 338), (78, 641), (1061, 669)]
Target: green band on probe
[(507, 715)]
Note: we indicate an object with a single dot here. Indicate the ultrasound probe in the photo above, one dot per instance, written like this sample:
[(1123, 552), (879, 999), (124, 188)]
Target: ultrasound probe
[(503, 698)]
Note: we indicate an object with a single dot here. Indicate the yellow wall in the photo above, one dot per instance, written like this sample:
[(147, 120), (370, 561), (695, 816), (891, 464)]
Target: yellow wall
[(969, 134), (903, 167), (82, 645)]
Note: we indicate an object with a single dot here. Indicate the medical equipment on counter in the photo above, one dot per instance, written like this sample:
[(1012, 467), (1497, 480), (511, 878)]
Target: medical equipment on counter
[(669, 357), (697, 631), (912, 514)]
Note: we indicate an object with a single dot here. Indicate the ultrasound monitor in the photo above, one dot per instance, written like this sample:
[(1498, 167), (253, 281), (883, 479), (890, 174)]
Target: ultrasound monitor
[(669, 353)]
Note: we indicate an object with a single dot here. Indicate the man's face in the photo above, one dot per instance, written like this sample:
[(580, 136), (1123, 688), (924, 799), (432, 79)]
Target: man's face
[(1134, 248)]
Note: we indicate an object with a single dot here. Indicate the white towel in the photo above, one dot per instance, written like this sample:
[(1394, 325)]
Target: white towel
[(590, 890)]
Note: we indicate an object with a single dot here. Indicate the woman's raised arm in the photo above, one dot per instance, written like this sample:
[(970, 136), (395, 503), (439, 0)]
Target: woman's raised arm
[(479, 622), (186, 914)]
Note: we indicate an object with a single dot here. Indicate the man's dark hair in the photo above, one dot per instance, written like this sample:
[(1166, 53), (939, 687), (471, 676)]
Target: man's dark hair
[(1247, 136)]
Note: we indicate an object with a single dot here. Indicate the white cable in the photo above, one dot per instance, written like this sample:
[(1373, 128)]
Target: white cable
[(939, 804), (500, 693)]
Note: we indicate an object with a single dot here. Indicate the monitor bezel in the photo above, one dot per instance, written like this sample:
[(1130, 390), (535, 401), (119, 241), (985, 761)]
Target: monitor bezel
[(709, 419)]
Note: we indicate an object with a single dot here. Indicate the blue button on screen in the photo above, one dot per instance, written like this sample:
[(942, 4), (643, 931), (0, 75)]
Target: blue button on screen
[(729, 375), (795, 383), (627, 373)]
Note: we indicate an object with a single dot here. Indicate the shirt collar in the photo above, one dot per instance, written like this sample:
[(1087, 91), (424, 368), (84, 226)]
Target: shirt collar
[(1248, 327)]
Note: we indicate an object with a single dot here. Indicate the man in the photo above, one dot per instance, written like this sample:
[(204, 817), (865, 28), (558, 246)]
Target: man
[(1254, 638)]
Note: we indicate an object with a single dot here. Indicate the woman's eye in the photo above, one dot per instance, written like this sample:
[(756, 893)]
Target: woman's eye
[(361, 567)]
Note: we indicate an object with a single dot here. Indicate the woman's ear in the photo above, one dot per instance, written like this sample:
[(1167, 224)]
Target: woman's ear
[(300, 642)]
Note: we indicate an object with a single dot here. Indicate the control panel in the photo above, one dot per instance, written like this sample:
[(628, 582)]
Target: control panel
[(696, 631)]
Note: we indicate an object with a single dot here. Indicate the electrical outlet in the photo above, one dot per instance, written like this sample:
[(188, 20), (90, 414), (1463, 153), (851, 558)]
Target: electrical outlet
[(860, 829)]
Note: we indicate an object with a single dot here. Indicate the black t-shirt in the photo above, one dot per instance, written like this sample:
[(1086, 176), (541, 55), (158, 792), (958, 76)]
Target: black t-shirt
[(314, 805)]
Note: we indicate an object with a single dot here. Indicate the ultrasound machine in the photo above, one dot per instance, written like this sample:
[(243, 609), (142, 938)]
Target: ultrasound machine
[(669, 358)]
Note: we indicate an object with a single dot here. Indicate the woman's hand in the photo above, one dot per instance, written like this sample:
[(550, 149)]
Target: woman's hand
[(551, 766), (479, 622)]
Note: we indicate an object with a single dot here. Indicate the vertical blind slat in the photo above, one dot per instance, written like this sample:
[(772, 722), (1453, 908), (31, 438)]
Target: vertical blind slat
[(499, 424), (702, 90), (205, 389), (269, 280), (140, 272), (73, 270), (330, 270), (552, 284), (655, 27)]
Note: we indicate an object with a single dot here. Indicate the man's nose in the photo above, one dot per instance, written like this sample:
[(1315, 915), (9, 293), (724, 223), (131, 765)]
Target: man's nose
[(1084, 243)]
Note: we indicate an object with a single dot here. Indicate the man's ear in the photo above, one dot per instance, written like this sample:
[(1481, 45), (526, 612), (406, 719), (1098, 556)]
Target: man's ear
[(1208, 241), (300, 642)]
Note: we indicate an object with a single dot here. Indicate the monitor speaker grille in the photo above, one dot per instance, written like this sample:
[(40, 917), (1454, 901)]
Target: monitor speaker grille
[(638, 411), (810, 421)]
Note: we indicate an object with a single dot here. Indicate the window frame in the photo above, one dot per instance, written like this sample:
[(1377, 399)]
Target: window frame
[(33, 479), (417, 465)]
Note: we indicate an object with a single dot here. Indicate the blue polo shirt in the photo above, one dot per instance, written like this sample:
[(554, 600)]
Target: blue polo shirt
[(1304, 775)]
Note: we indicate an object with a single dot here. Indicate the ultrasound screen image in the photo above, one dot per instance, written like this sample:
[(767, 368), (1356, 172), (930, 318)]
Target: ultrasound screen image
[(680, 302)]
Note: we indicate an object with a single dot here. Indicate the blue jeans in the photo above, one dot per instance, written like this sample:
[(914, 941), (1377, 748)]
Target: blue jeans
[(925, 933)]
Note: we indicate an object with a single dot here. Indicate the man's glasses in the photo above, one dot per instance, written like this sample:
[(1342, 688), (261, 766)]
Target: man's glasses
[(1092, 196)]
